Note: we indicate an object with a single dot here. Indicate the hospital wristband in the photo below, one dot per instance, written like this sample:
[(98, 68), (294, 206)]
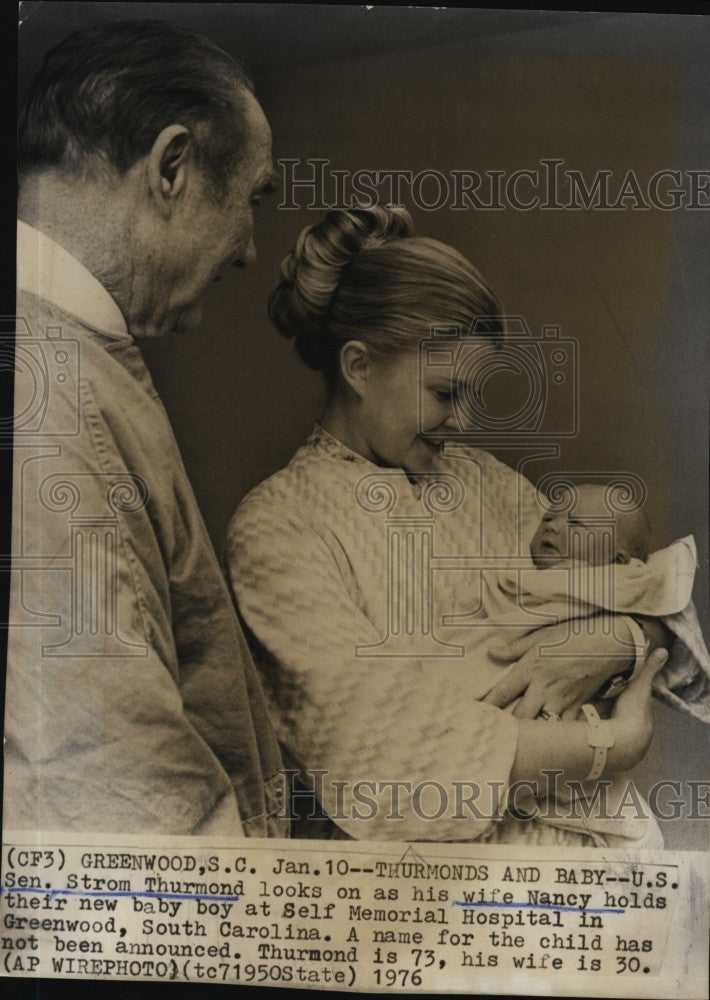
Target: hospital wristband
[(601, 738)]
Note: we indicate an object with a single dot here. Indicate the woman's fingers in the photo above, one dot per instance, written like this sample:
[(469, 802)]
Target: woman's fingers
[(571, 714), (502, 652), (518, 679), (530, 704), (509, 687), (508, 652)]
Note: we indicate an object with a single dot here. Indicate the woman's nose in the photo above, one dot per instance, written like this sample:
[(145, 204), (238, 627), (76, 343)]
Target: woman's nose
[(451, 423)]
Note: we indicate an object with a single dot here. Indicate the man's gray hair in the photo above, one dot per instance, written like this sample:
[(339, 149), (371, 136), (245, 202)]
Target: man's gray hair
[(109, 90)]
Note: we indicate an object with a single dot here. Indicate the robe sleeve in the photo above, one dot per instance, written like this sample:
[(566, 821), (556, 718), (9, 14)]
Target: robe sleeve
[(97, 736), (367, 721)]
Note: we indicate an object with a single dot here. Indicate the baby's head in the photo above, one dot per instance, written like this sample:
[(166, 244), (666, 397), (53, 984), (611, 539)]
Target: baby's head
[(590, 518)]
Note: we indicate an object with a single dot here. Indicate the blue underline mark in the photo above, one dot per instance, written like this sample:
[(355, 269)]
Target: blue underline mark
[(538, 906), (121, 893)]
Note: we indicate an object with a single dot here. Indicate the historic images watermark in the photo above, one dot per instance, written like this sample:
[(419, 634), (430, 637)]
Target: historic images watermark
[(548, 186), (549, 800)]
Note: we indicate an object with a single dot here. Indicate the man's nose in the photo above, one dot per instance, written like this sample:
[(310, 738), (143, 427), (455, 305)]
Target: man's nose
[(247, 256)]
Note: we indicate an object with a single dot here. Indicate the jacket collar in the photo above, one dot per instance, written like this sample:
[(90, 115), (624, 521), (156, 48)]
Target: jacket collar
[(47, 270)]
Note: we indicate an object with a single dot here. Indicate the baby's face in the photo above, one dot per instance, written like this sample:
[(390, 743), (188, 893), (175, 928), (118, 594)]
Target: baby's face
[(588, 525)]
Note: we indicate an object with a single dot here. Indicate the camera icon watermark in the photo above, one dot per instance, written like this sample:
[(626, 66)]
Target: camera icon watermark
[(527, 387), (44, 365)]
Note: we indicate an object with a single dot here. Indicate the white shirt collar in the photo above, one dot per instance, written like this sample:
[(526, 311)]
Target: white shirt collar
[(47, 270)]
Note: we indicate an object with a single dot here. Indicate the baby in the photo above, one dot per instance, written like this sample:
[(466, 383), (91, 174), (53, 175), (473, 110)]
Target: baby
[(593, 534), (589, 533), (588, 560)]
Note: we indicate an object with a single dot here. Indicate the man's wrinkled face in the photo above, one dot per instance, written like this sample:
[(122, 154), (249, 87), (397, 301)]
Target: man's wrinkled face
[(213, 234)]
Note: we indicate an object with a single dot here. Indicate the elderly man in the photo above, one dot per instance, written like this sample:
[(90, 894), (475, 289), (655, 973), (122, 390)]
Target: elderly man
[(132, 704)]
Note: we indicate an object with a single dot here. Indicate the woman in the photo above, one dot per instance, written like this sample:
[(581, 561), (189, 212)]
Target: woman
[(354, 570)]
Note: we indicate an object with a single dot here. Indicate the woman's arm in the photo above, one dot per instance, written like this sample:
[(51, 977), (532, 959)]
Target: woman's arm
[(387, 731)]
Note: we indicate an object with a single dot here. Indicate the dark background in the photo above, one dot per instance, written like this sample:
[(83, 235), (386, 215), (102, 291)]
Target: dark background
[(481, 90)]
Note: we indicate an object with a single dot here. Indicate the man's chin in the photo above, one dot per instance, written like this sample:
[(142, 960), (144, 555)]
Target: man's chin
[(189, 320)]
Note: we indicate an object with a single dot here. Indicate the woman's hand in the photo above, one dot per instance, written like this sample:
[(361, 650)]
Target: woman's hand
[(559, 683)]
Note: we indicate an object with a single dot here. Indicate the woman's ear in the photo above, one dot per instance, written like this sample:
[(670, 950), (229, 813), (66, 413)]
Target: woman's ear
[(355, 365), (167, 166)]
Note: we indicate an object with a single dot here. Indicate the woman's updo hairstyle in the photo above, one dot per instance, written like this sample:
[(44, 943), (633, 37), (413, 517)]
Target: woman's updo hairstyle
[(360, 274)]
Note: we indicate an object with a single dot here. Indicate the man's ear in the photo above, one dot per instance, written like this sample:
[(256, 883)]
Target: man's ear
[(355, 363), (167, 162), (622, 558)]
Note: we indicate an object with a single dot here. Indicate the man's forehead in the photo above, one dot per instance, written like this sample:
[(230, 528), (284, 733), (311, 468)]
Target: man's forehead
[(258, 128), (259, 157)]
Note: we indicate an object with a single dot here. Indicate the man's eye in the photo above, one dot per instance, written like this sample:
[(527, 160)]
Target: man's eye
[(256, 202)]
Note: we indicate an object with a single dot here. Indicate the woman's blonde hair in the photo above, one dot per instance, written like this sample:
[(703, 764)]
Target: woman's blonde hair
[(361, 274)]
